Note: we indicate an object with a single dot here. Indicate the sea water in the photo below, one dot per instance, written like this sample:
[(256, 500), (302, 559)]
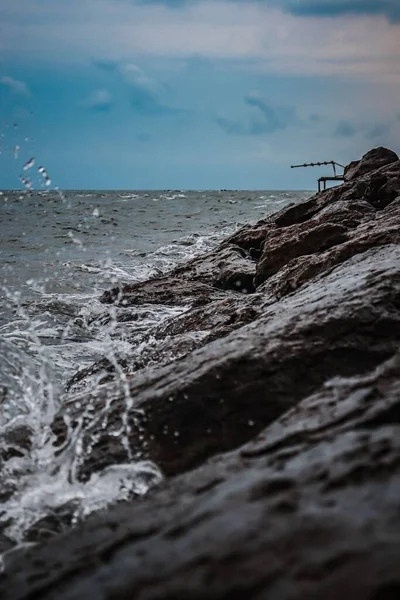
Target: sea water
[(59, 251)]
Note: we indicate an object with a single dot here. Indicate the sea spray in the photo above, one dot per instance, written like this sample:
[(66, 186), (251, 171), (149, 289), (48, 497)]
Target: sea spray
[(52, 326)]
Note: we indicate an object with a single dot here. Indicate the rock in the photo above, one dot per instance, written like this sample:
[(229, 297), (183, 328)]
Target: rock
[(306, 228), (214, 320), (382, 229), (297, 382), (374, 159), (339, 224), (281, 246), (195, 282), (15, 441), (236, 272), (190, 398), (207, 268), (309, 509), (165, 290), (59, 520), (6, 544), (221, 395)]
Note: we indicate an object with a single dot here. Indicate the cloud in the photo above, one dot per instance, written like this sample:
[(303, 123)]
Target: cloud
[(282, 37), (15, 86), (232, 127), (275, 117), (379, 130), (345, 129), (100, 100), (334, 8), (104, 64), (145, 91), (272, 119), (314, 8)]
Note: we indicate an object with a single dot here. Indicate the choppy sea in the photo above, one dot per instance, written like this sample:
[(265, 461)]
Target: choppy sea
[(58, 252)]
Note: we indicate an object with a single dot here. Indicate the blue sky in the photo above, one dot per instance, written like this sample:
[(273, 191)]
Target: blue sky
[(197, 94)]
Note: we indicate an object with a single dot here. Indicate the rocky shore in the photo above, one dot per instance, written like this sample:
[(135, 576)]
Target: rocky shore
[(271, 405)]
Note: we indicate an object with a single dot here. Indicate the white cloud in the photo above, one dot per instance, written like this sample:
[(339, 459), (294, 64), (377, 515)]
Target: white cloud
[(15, 86), (98, 100), (277, 41), (133, 75)]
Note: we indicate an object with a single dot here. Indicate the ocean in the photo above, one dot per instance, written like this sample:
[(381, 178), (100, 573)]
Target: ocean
[(59, 251)]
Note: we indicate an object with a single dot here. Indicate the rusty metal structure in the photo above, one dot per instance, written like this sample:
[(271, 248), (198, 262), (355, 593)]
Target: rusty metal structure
[(323, 180)]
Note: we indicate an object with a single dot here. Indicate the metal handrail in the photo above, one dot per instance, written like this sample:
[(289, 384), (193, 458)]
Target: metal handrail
[(320, 164)]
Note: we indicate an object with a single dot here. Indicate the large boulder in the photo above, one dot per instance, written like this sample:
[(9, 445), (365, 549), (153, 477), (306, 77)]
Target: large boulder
[(252, 370), (372, 160), (221, 395), (314, 236), (309, 509), (298, 380), (311, 254)]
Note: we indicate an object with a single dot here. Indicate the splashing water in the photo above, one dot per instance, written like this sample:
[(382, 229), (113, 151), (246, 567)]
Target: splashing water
[(42, 171), (57, 262), (26, 182), (29, 164), (36, 479)]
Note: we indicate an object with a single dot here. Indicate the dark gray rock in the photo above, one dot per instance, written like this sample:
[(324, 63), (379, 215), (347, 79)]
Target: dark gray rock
[(219, 396), (372, 160), (167, 290), (380, 229), (340, 222), (236, 271), (309, 509), (282, 246), (201, 401)]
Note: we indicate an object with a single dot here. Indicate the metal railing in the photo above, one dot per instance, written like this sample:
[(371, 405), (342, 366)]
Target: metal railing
[(323, 180)]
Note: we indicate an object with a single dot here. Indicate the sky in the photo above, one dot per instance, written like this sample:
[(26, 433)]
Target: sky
[(194, 94)]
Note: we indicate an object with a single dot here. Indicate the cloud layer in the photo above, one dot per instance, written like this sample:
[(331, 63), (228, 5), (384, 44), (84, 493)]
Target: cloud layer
[(14, 85), (100, 100), (145, 92), (267, 118), (282, 36), (160, 93), (334, 8), (315, 8)]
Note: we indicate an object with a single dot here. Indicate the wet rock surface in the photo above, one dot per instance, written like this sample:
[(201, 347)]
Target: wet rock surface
[(343, 323), (378, 157), (310, 508), (270, 401)]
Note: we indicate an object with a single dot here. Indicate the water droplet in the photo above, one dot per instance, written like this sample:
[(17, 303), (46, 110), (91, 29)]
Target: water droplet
[(42, 171), (29, 164), (26, 182)]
